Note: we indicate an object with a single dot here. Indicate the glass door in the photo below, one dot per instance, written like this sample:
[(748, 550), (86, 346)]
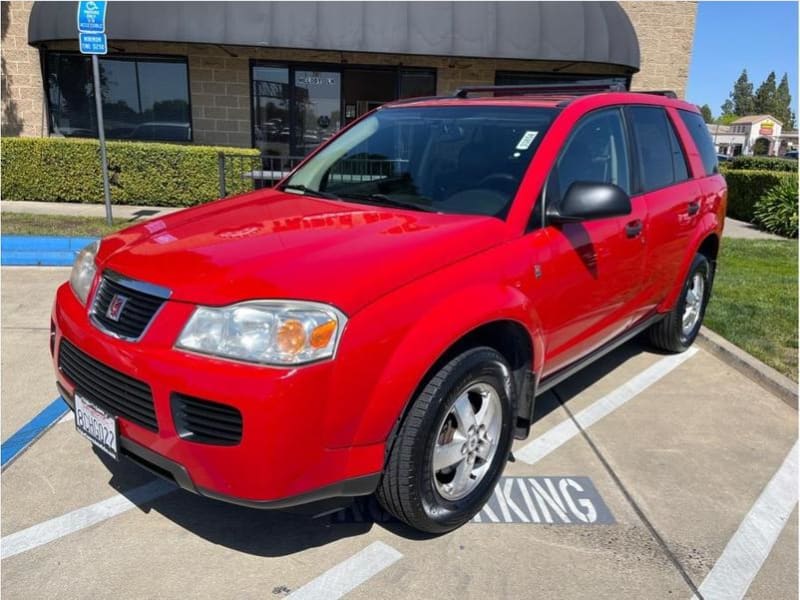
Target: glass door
[(317, 108), (271, 110)]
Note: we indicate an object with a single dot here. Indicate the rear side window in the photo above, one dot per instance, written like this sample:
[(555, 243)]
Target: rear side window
[(660, 154), (702, 139), (596, 153), (678, 156)]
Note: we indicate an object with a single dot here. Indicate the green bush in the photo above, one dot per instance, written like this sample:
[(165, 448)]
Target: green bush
[(761, 163), (143, 173), (745, 188), (776, 211)]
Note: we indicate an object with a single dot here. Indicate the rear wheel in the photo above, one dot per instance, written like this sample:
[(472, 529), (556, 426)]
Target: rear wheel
[(453, 444), (678, 330)]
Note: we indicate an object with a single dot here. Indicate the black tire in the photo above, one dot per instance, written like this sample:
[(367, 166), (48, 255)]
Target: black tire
[(407, 489), (668, 333)]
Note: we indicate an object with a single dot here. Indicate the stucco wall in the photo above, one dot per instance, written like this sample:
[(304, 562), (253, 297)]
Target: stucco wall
[(21, 76), (666, 35)]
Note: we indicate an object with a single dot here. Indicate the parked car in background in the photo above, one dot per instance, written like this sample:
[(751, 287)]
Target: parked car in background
[(724, 158), (360, 330), (792, 154)]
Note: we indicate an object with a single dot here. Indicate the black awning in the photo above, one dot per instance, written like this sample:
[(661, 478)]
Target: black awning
[(594, 32)]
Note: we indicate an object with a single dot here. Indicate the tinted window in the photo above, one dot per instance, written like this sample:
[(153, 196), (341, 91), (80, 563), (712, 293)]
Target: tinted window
[(143, 99), (702, 139), (651, 131), (456, 159), (678, 156), (596, 153)]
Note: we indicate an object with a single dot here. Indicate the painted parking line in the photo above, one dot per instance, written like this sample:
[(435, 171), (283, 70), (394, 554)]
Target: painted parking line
[(749, 547), (31, 431), (58, 527), (566, 430), (349, 574)]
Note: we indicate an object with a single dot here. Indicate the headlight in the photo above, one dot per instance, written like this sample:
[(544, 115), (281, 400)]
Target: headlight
[(83, 271), (268, 331)]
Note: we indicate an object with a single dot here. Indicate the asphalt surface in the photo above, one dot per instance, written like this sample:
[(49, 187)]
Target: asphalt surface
[(694, 465)]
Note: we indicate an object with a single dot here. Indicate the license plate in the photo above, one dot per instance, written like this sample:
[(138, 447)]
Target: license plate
[(97, 426)]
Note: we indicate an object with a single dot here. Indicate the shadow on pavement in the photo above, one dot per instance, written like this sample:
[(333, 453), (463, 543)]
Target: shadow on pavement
[(287, 531)]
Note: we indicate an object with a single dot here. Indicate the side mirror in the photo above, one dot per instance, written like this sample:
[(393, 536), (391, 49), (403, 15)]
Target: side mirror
[(587, 201)]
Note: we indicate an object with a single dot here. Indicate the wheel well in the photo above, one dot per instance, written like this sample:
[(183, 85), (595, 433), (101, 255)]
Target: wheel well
[(510, 339), (710, 247)]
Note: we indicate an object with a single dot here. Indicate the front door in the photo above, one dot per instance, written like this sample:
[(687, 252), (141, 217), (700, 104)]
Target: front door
[(589, 286), (317, 108)]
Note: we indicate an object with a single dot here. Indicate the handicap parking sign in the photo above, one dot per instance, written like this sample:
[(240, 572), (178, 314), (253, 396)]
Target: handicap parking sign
[(92, 16)]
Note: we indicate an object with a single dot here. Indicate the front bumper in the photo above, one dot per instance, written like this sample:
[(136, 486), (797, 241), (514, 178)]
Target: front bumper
[(283, 458)]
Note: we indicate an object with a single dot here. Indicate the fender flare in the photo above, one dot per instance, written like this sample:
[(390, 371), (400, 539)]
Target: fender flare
[(424, 345), (709, 227)]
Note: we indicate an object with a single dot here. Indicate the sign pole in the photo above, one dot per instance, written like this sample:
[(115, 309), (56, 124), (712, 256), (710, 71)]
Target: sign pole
[(101, 134)]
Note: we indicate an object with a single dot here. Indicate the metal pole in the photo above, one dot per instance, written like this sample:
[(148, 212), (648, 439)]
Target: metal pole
[(101, 134)]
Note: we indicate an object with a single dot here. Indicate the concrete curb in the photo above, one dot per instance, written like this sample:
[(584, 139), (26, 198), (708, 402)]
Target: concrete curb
[(752, 368)]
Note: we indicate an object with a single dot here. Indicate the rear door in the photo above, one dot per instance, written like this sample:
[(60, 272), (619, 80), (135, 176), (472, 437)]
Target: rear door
[(672, 198), (589, 286)]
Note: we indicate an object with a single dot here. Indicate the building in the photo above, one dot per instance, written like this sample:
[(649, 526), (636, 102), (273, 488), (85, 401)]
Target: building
[(283, 76), (753, 134)]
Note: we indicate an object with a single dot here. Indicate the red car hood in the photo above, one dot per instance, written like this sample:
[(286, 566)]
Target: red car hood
[(270, 244)]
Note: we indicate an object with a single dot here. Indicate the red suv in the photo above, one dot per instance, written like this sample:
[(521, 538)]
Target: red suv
[(382, 320)]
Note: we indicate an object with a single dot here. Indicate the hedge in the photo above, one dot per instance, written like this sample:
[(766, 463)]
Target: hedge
[(761, 163), (143, 173), (776, 211), (746, 188)]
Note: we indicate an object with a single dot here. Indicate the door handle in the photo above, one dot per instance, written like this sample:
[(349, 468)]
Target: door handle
[(693, 208), (634, 228)]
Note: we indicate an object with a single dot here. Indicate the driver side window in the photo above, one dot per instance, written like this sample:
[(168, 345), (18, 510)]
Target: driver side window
[(596, 152)]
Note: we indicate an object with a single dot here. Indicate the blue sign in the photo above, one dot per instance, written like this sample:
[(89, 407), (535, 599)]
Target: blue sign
[(92, 16), (93, 43)]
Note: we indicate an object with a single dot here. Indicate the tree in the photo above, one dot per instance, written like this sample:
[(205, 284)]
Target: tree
[(706, 112), (783, 104), (727, 109), (764, 102), (742, 96), (726, 119)]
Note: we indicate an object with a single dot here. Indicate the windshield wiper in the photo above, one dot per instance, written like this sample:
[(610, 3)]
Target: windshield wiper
[(309, 192), (381, 199)]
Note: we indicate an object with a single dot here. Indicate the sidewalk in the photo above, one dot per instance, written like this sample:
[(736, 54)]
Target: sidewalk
[(733, 228), (132, 213)]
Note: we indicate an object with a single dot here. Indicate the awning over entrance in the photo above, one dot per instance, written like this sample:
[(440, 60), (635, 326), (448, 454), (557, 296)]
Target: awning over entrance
[(594, 32)]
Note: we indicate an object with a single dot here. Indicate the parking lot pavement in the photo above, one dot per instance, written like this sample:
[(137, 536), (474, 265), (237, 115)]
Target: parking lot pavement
[(645, 476), (26, 298)]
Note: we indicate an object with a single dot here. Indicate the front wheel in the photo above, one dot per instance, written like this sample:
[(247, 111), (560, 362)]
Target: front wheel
[(453, 444), (678, 330)]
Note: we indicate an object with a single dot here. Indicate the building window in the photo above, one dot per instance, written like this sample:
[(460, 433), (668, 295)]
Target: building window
[(297, 107), (144, 98)]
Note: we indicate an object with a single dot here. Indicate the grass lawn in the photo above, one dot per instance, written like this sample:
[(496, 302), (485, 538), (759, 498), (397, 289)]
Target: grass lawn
[(754, 301), (26, 224)]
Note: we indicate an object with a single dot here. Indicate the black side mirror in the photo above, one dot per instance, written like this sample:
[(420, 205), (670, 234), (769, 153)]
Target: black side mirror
[(587, 201)]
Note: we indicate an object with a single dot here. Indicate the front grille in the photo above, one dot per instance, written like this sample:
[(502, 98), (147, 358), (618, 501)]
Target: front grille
[(112, 391), (136, 314), (206, 422)]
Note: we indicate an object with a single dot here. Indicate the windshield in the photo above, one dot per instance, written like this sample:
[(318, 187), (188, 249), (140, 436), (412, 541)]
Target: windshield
[(452, 159)]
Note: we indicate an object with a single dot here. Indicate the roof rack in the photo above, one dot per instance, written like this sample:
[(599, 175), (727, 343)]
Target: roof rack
[(569, 88), (665, 93)]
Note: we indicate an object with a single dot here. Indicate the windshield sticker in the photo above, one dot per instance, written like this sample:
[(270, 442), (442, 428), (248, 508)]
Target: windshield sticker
[(526, 140)]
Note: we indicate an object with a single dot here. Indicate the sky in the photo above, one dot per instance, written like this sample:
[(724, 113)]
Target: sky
[(730, 36)]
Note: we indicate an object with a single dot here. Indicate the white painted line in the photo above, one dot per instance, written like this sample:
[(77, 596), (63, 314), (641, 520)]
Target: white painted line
[(58, 527), (70, 416), (566, 430), (349, 574), (749, 547)]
